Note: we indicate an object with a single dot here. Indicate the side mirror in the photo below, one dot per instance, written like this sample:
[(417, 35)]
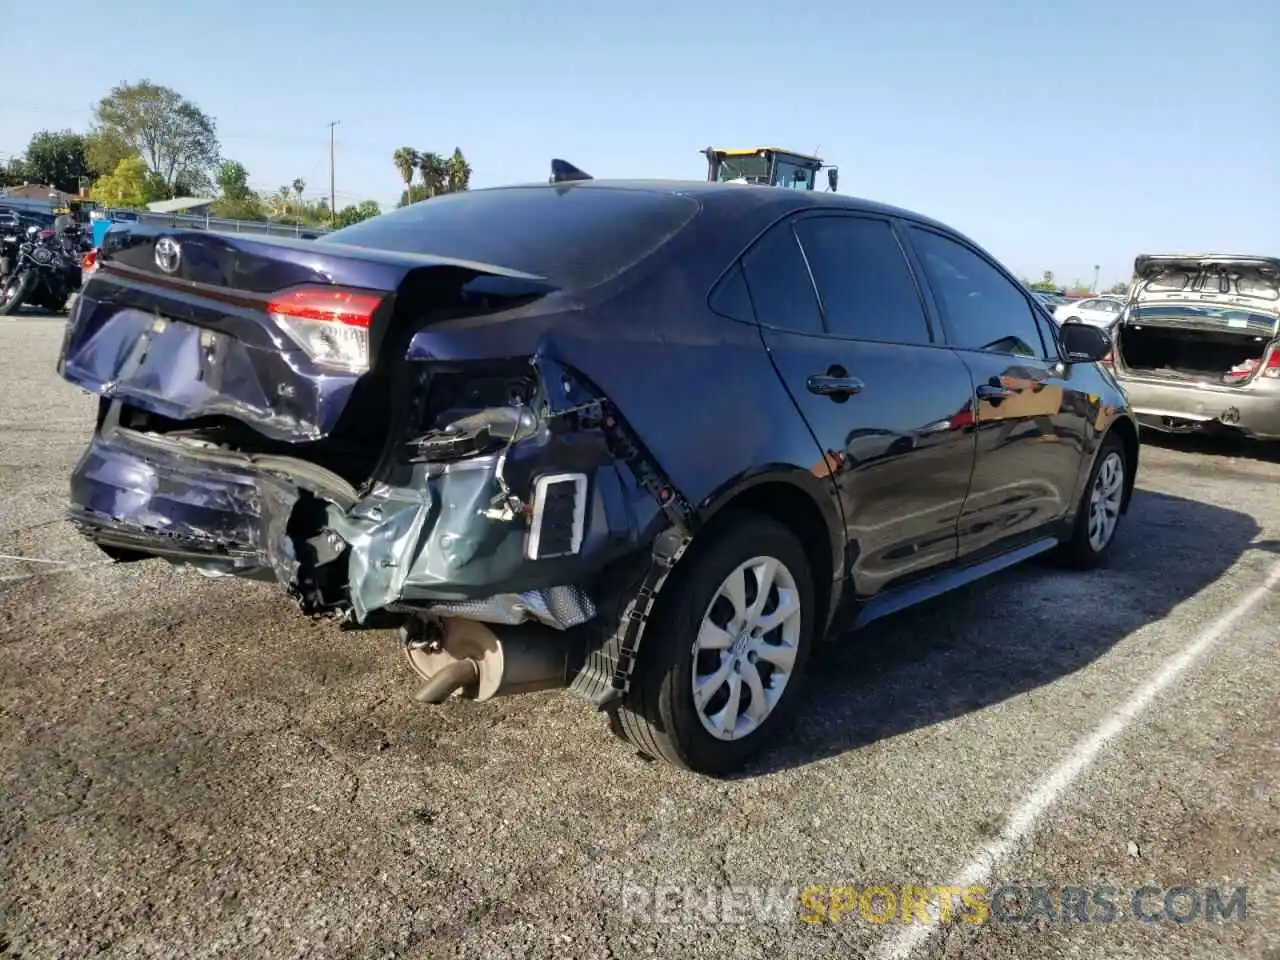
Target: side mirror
[(1084, 343), (833, 178)]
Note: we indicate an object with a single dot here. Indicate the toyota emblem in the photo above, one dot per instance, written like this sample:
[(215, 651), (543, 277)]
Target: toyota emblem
[(168, 254)]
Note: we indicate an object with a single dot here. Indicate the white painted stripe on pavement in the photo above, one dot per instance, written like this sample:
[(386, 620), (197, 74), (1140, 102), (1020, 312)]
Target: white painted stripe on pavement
[(1022, 821), (17, 556)]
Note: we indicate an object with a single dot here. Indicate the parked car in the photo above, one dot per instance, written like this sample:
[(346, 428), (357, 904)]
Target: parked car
[(26, 214), (1198, 344), (1051, 300), (602, 434), (1098, 311)]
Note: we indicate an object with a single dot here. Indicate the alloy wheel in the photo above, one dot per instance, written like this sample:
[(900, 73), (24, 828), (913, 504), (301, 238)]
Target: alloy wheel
[(745, 651), (1104, 501)]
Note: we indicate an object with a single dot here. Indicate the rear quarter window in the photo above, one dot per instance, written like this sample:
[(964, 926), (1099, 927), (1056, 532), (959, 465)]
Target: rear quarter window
[(575, 236)]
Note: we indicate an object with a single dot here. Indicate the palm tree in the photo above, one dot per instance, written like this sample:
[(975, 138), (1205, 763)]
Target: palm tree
[(458, 172), (280, 202), (406, 161), (434, 172), (298, 186)]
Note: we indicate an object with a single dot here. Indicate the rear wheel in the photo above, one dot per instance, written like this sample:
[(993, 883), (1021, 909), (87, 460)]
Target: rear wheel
[(1098, 515), (719, 670)]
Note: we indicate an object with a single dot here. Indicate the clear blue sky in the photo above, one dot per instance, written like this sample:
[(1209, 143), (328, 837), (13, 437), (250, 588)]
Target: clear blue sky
[(1058, 136)]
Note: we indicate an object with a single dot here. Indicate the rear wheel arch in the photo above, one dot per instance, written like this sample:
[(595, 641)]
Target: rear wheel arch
[(793, 501)]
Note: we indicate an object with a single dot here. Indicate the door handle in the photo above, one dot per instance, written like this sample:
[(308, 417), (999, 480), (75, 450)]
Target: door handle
[(993, 392), (834, 386)]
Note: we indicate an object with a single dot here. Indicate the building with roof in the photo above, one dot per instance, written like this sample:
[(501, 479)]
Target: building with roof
[(40, 192), (191, 206)]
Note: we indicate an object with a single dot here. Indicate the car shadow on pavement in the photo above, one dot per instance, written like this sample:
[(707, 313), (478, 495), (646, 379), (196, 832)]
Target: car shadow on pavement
[(1011, 633)]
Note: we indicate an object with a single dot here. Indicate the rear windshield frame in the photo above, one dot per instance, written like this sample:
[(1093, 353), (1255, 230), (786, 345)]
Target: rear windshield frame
[(577, 237)]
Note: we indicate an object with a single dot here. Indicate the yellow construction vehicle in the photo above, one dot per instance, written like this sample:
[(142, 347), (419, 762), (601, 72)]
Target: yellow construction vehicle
[(761, 165), (772, 166)]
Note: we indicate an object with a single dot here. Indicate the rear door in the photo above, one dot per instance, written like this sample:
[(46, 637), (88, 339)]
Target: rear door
[(1032, 419), (843, 319)]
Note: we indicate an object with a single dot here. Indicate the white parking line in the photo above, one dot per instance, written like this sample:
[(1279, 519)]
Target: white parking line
[(1022, 821), (16, 556)]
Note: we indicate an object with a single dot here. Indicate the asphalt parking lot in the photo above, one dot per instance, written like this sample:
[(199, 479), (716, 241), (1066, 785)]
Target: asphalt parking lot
[(191, 769)]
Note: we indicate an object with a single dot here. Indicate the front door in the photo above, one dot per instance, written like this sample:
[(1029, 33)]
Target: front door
[(844, 322), (1032, 422)]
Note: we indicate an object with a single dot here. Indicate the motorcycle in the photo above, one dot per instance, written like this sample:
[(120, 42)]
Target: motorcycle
[(41, 268)]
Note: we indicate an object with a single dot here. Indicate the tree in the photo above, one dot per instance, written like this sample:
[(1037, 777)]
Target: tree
[(233, 179), (406, 161), (237, 202), (434, 173), (365, 210), (104, 150), (1046, 282), (125, 187), (415, 194), (57, 159), (279, 203), (14, 173), (1118, 288), (458, 172), (175, 138)]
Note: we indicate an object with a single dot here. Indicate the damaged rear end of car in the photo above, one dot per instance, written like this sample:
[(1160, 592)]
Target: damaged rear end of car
[(392, 436), (1198, 344)]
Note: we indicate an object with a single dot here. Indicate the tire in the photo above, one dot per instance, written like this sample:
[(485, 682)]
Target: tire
[(12, 303), (659, 715), (1082, 551)]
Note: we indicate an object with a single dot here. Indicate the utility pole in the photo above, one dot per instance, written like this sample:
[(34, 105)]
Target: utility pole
[(333, 199), (1096, 268)]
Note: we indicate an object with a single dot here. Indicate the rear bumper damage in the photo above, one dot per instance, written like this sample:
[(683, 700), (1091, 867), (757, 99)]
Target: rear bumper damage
[(496, 566), (437, 541), (1187, 408)]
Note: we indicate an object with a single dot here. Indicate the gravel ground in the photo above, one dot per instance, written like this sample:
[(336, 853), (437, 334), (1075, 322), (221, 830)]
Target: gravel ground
[(191, 769)]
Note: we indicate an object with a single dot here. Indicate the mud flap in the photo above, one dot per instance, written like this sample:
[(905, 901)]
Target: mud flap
[(606, 675)]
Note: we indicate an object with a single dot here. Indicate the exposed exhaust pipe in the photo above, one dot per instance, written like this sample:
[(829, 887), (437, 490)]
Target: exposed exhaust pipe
[(479, 661), (454, 678)]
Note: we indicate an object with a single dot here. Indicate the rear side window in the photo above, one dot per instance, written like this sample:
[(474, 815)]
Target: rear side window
[(731, 298), (576, 236), (864, 284), (779, 282)]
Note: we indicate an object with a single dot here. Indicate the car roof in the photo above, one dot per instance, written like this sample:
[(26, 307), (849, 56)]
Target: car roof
[(727, 195)]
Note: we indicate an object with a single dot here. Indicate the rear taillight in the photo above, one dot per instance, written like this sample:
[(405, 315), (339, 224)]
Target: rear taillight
[(331, 324), (1272, 369), (89, 261)]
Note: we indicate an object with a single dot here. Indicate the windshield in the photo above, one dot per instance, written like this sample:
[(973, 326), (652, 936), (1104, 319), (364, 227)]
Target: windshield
[(753, 169), (793, 175)]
